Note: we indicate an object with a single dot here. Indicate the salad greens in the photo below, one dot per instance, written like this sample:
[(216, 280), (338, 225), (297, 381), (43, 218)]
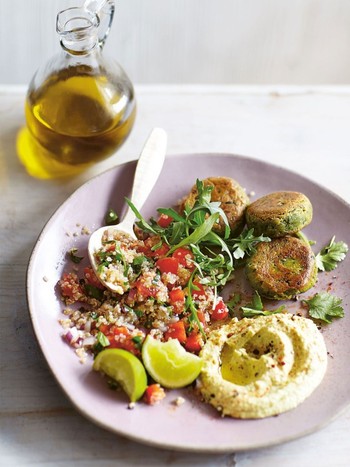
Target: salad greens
[(215, 256)]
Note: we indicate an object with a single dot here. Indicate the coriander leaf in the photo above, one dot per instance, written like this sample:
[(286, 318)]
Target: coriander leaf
[(325, 307), (329, 257), (73, 255)]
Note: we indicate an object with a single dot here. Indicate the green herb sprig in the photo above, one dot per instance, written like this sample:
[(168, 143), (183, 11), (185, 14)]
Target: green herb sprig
[(325, 306), (330, 255)]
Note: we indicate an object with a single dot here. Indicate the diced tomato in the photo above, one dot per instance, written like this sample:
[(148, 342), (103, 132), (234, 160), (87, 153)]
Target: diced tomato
[(176, 331), (220, 311), (164, 220), (185, 257), (103, 328), (177, 295), (121, 338), (201, 317), (154, 393), (194, 341), (144, 290), (151, 242), (177, 299), (168, 265), (91, 278), (162, 251), (198, 290)]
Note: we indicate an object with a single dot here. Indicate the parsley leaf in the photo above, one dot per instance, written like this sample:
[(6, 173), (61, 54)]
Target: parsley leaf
[(329, 257), (325, 307)]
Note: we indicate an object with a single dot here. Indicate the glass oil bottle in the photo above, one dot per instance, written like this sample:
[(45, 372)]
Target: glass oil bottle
[(80, 107)]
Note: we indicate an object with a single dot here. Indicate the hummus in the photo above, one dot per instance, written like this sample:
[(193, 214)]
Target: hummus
[(263, 366)]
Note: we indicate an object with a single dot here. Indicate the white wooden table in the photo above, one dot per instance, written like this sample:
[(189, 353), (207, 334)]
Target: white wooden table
[(298, 128)]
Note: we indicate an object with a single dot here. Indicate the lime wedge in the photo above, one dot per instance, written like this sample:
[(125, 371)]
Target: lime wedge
[(125, 368), (169, 364)]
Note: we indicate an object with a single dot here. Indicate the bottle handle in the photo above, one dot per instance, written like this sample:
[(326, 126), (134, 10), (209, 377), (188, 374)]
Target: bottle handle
[(104, 9)]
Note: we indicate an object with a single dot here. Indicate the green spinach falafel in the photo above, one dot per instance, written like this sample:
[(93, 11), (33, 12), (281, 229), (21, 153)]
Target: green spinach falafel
[(280, 213), (282, 268)]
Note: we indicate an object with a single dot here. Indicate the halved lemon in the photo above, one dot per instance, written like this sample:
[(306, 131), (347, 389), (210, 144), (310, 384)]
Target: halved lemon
[(169, 363), (125, 368)]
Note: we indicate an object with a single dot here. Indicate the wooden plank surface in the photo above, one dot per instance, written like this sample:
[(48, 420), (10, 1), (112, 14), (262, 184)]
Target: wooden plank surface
[(299, 128)]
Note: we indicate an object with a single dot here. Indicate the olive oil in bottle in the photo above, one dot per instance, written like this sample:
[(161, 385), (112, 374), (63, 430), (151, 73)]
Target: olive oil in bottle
[(80, 108)]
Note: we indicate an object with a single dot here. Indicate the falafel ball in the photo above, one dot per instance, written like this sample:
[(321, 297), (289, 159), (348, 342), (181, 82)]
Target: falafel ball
[(282, 268), (232, 197), (280, 213)]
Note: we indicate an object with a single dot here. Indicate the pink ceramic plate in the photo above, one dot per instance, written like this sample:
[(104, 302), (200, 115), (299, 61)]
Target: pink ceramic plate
[(192, 426)]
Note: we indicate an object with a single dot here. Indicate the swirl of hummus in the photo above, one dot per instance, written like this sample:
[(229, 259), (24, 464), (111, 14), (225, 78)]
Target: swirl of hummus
[(259, 367)]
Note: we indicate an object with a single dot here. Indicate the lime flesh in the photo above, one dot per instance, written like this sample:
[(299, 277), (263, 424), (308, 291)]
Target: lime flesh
[(123, 367), (169, 363)]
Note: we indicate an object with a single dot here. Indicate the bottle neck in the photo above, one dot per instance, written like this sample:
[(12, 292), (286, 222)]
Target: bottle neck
[(78, 30)]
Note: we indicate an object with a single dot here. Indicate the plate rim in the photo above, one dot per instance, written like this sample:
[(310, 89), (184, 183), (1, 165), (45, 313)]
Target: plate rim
[(120, 432)]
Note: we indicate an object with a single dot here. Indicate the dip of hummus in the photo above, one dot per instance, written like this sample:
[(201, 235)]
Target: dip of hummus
[(259, 367)]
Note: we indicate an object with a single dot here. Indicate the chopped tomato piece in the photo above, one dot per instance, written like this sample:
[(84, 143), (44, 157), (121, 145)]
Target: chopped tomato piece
[(201, 317), (121, 338), (220, 311), (177, 299), (144, 290), (177, 295), (152, 242), (176, 331), (162, 251), (194, 342), (164, 220), (185, 257), (168, 265), (91, 278), (154, 393), (103, 328)]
